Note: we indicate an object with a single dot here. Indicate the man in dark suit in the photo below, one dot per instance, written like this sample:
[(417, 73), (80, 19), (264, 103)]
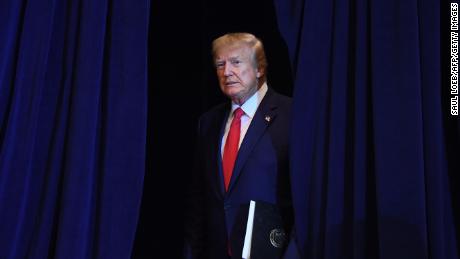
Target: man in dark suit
[(242, 151)]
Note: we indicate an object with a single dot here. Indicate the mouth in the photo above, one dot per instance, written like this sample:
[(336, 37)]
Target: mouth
[(230, 83)]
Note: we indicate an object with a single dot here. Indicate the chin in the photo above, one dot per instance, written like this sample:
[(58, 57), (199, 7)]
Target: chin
[(231, 92)]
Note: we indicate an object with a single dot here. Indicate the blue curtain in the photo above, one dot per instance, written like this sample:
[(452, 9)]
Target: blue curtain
[(73, 104), (369, 166)]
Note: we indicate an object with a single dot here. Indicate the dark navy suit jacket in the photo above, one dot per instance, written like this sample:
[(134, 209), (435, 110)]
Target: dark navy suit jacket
[(261, 172)]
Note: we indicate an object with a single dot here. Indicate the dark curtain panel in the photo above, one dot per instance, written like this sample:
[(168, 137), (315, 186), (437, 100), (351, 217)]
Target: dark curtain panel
[(73, 98), (370, 167)]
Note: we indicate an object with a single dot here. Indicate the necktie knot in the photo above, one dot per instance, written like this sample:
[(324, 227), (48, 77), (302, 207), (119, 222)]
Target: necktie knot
[(238, 113)]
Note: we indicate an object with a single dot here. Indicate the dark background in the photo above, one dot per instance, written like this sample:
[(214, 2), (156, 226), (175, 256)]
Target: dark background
[(183, 85)]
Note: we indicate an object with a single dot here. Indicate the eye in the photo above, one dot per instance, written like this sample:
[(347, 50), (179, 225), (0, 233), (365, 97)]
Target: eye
[(220, 64), (235, 62)]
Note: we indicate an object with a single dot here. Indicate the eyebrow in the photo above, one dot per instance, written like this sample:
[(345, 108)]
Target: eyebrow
[(230, 58)]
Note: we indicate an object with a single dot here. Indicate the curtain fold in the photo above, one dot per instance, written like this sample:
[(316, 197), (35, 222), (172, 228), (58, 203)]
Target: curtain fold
[(73, 104), (368, 153)]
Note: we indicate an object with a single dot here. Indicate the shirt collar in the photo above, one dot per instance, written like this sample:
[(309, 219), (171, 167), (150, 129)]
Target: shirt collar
[(250, 106)]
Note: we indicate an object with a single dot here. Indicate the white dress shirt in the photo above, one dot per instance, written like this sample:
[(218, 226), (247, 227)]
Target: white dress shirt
[(249, 107)]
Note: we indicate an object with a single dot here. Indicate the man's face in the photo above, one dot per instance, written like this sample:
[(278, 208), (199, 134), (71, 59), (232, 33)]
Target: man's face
[(237, 72)]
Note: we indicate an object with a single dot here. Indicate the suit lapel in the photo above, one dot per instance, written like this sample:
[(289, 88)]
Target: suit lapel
[(264, 115)]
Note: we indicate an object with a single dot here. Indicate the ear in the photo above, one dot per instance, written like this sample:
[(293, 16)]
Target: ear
[(259, 73)]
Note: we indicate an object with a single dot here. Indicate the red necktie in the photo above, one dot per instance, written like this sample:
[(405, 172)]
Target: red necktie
[(231, 146)]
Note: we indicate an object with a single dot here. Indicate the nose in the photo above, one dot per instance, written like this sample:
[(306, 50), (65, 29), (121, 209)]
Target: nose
[(227, 69)]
